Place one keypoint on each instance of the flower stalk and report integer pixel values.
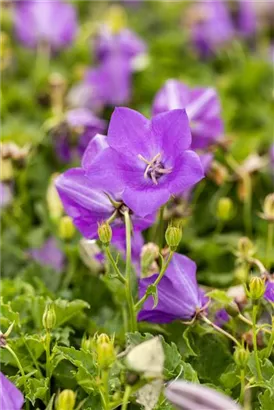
(254, 339)
(220, 330)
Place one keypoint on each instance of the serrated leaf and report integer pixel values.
(66, 310)
(189, 373)
(79, 358)
(266, 400)
(36, 389)
(8, 316)
(229, 378)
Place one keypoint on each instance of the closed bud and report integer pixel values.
(54, 203)
(246, 248)
(268, 208)
(65, 400)
(6, 170)
(224, 209)
(232, 309)
(173, 237)
(149, 254)
(105, 351)
(241, 356)
(241, 274)
(49, 317)
(105, 233)
(66, 228)
(87, 343)
(256, 288)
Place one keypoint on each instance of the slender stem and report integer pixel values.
(219, 329)
(160, 230)
(270, 344)
(47, 349)
(248, 322)
(105, 376)
(258, 263)
(242, 393)
(128, 284)
(254, 338)
(126, 397)
(112, 217)
(32, 356)
(140, 303)
(269, 244)
(17, 361)
(114, 265)
(247, 204)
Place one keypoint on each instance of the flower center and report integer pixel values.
(155, 168)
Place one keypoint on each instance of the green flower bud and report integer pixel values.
(246, 248)
(224, 209)
(241, 273)
(54, 203)
(241, 357)
(149, 253)
(268, 208)
(87, 343)
(105, 233)
(49, 317)
(105, 351)
(65, 400)
(66, 228)
(232, 309)
(173, 237)
(256, 288)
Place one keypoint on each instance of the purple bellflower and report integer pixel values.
(10, 397)
(89, 200)
(49, 254)
(202, 106)
(45, 23)
(6, 194)
(221, 317)
(179, 297)
(150, 159)
(73, 135)
(269, 291)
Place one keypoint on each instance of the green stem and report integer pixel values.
(72, 259)
(220, 330)
(269, 244)
(160, 230)
(128, 284)
(126, 397)
(47, 349)
(32, 356)
(249, 322)
(270, 344)
(254, 338)
(114, 265)
(247, 204)
(105, 376)
(242, 393)
(140, 303)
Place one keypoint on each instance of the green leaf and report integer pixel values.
(189, 373)
(152, 290)
(66, 310)
(229, 378)
(36, 389)
(219, 296)
(266, 400)
(79, 358)
(8, 316)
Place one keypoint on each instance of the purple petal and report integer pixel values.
(269, 291)
(10, 398)
(49, 254)
(94, 148)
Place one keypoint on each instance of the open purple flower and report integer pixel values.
(179, 296)
(45, 23)
(10, 398)
(73, 135)
(49, 254)
(151, 159)
(124, 43)
(90, 198)
(202, 106)
(269, 291)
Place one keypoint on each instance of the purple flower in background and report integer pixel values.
(124, 43)
(6, 194)
(45, 23)
(137, 241)
(179, 296)
(271, 156)
(73, 135)
(151, 159)
(221, 317)
(244, 17)
(202, 106)
(10, 398)
(90, 198)
(269, 291)
(49, 254)
(211, 27)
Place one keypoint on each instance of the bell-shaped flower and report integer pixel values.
(10, 398)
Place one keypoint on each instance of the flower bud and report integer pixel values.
(173, 237)
(105, 233)
(105, 351)
(246, 248)
(149, 253)
(49, 317)
(268, 208)
(66, 228)
(241, 273)
(65, 400)
(256, 288)
(116, 18)
(87, 343)
(232, 309)
(6, 170)
(241, 356)
(54, 203)
(224, 209)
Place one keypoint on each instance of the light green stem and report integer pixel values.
(270, 344)
(105, 376)
(12, 352)
(160, 230)
(269, 244)
(248, 322)
(128, 284)
(114, 265)
(47, 349)
(126, 397)
(220, 330)
(247, 204)
(242, 393)
(140, 303)
(254, 338)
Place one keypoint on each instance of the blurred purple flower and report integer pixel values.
(73, 135)
(244, 17)
(202, 106)
(125, 44)
(150, 159)
(10, 398)
(49, 254)
(221, 317)
(6, 194)
(45, 23)
(90, 197)
(179, 296)
(271, 156)
(269, 291)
